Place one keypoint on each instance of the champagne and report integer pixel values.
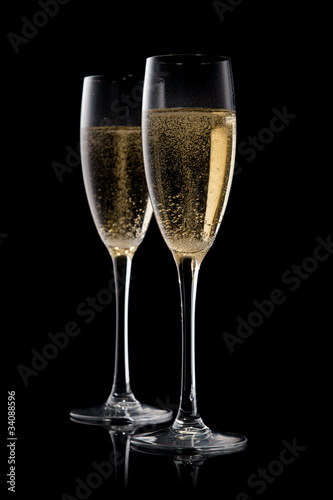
(116, 185)
(189, 157)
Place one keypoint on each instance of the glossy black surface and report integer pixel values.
(264, 298)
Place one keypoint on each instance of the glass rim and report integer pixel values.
(184, 59)
(116, 78)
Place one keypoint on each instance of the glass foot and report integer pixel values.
(171, 442)
(121, 413)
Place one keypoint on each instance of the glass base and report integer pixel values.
(121, 413)
(171, 442)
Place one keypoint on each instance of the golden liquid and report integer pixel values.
(116, 185)
(189, 157)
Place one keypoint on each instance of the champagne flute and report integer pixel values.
(189, 134)
(114, 178)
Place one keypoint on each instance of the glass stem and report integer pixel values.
(121, 390)
(188, 419)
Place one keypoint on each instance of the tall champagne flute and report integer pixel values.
(189, 134)
(114, 178)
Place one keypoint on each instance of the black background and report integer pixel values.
(52, 258)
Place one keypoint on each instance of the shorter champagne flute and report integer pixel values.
(114, 178)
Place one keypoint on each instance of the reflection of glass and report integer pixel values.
(188, 470)
(189, 129)
(187, 466)
(118, 465)
(111, 153)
